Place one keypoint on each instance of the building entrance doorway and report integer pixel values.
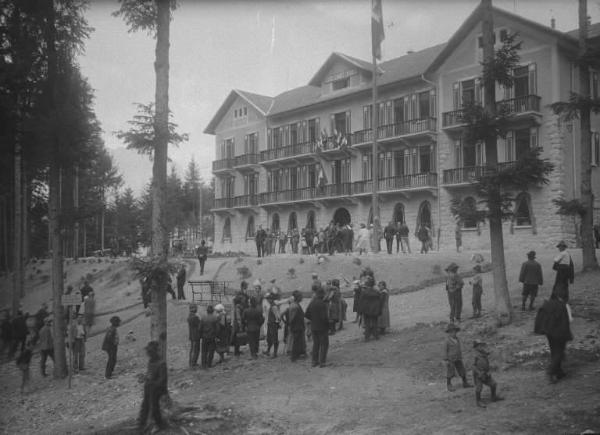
(424, 217)
(341, 216)
(398, 213)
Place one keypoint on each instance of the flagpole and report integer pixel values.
(375, 171)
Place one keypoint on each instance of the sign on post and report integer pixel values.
(71, 299)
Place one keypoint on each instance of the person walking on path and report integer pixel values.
(194, 335)
(181, 282)
(110, 344)
(155, 385)
(370, 307)
(403, 236)
(208, 332)
(317, 314)
(453, 358)
(481, 373)
(454, 285)
(531, 276)
(253, 319)
(383, 321)
(388, 234)
(553, 320)
(202, 254)
(477, 283)
(565, 272)
(46, 345)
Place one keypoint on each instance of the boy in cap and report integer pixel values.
(481, 373)
(531, 276)
(454, 285)
(476, 282)
(155, 385)
(453, 358)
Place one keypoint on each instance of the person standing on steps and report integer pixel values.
(202, 253)
(194, 335)
(181, 282)
(531, 276)
(111, 344)
(565, 272)
(316, 313)
(454, 285)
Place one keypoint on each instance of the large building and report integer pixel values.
(304, 158)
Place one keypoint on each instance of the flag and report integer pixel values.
(377, 33)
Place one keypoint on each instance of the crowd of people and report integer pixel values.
(340, 238)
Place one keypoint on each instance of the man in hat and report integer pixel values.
(273, 325)
(252, 320)
(111, 344)
(453, 358)
(202, 254)
(531, 276)
(454, 285)
(316, 313)
(370, 307)
(194, 335)
(208, 332)
(181, 282)
(296, 326)
(565, 272)
(155, 385)
(481, 373)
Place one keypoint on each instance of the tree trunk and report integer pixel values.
(587, 198)
(76, 208)
(18, 228)
(158, 324)
(502, 297)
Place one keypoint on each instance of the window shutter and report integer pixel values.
(317, 127)
(478, 93)
(304, 132)
(245, 144)
(532, 79)
(255, 145)
(509, 147)
(456, 96)
(388, 112)
(533, 138)
(348, 119)
(269, 139)
(432, 104)
(458, 154)
(413, 107)
(332, 122)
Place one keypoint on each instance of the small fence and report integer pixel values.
(207, 292)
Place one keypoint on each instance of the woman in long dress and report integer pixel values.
(362, 241)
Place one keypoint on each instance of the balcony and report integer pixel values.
(425, 180)
(245, 160)
(223, 203)
(245, 201)
(223, 165)
(415, 127)
(288, 152)
(287, 196)
(363, 187)
(469, 174)
(362, 137)
(335, 148)
(528, 105)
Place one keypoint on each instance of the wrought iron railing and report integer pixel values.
(246, 159)
(245, 201)
(406, 128)
(222, 164)
(223, 202)
(425, 179)
(287, 151)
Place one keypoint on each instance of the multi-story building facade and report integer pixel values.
(304, 158)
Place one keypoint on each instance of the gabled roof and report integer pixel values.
(360, 64)
(261, 103)
(402, 68)
(475, 19)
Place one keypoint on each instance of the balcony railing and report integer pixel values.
(223, 202)
(329, 190)
(245, 201)
(287, 151)
(222, 164)
(363, 186)
(246, 159)
(405, 128)
(425, 179)
(470, 174)
(305, 193)
(513, 106)
(527, 103)
(362, 136)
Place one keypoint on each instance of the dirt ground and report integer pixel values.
(395, 385)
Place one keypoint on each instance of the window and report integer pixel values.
(250, 229)
(367, 117)
(293, 134)
(522, 210)
(595, 87)
(518, 143)
(425, 156)
(227, 230)
(470, 220)
(275, 223)
(468, 155)
(277, 137)
(313, 129)
(399, 163)
(245, 111)
(503, 35)
(227, 152)
(310, 220)
(595, 148)
(367, 166)
(251, 184)
(467, 92)
(424, 110)
(251, 143)
(339, 123)
(399, 110)
(340, 84)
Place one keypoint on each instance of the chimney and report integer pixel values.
(553, 23)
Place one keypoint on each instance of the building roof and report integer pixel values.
(261, 103)
(593, 31)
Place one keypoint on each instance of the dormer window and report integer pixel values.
(340, 84)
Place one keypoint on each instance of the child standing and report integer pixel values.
(476, 282)
(111, 344)
(481, 373)
(453, 358)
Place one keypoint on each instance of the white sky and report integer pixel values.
(265, 47)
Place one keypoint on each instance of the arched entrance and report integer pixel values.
(275, 222)
(310, 220)
(424, 216)
(341, 216)
(293, 221)
(398, 215)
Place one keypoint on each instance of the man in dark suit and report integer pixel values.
(253, 319)
(388, 234)
(531, 276)
(317, 313)
(202, 253)
(260, 238)
(208, 332)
